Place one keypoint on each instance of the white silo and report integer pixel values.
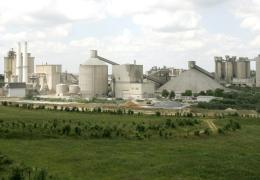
(93, 77)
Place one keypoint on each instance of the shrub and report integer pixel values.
(172, 95)
(197, 133)
(107, 133)
(165, 93)
(66, 129)
(78, 131)
(158, 113)
(207, 131)
(221, 131)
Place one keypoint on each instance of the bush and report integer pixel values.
(66, 129)
(187, 93)
(157, 113)
(197, 133)
(207, 131)
(172, 95)
(165, 93)
(221, 131)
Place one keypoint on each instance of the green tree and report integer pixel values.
(165, 93)
(209, 92)
(187, 93)
(172, 95)
(202, 93)
(219, 92)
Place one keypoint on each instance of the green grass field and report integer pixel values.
(234, 155)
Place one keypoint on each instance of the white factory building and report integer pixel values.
(128, 82)
(49, 75)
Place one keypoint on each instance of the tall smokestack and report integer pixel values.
(19, 63)
(25, 63)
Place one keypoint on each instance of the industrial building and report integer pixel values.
(49, 75)
(93, 77)
(15, 90)
(129, 83)
(233, 71)
(19, 65)
(195, 79)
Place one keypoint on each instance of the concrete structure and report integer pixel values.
(25, 64)
(205, 98)
(10, 66)
(62, 89)
(128, 82)
(74, 89)
(93, 77)
(15, 89)
(233, 71)
(49, 73)
(130, 73)
(195, 79)
(19, 63)
(219, 68)
(18, 66)
(243, 68)
(160, 74)
(258, 71)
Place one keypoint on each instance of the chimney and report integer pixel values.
(25, 63)
(19, 63)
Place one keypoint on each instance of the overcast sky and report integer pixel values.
(152, 32)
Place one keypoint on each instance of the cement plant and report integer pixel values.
(110, 125)
(22, 78)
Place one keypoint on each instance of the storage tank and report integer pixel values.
(74, 89)
(229, 71)
(219, 71)
(241, 68)
(93, 77)
(62, 89)
(127, 73)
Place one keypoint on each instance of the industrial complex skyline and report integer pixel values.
(152, 32)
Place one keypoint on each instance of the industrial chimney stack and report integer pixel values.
(19, 63)
(25, 64)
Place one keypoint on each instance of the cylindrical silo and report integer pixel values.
(219, 68)
(93, 77)
(62, 89)
(229, 71)
(248, 69)
(74, 89)
(243, 68)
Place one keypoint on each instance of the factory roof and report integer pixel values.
(193, 80)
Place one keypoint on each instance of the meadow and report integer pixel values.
(80, 145)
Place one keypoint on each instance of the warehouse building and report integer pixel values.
(195, 79)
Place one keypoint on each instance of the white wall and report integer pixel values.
(134, 90)
(16, 92)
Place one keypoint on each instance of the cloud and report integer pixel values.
(248, 11)
(168, 21)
